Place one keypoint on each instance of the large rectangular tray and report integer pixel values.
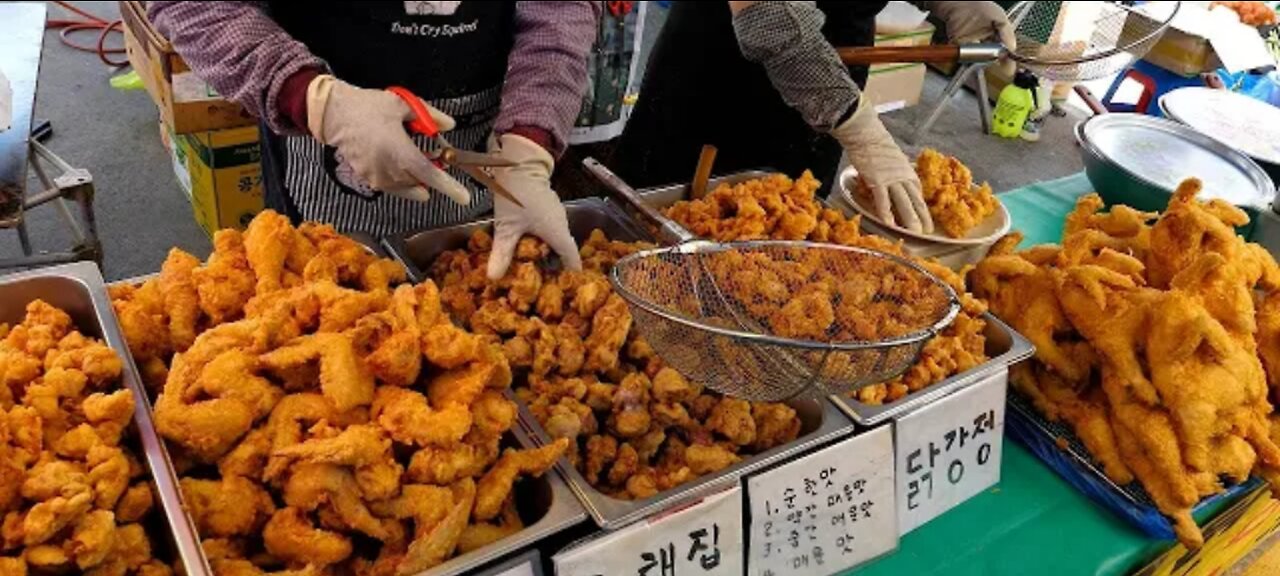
(1005, 347)
(546, 505)
(821, 422)
(1055, 444)
(79, 290)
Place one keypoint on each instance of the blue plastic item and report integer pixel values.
(1073, 464)
(1156, 82)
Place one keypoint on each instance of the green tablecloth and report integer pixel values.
(1032, 522)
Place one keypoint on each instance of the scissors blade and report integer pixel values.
(485, 179)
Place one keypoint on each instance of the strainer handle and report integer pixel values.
(668, 231)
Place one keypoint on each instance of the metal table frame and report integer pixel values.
(21, 43)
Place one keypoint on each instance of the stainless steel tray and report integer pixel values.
(821, 422)
(1005, 347)
(79, 290)
(417, 251)
(546, 504)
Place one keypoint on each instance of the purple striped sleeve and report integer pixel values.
(237, 49)
(547, 70)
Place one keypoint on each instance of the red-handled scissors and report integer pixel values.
(474, 164)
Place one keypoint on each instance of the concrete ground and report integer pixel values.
(142, 212)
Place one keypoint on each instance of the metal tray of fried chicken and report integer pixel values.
(546, 504)
(1004, 346)
(820, 421)
(79, 290)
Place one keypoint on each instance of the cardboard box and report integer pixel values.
(922, 36)
(177, 159)
(1183, 49)
(895, 87)
(187, 104)
(223, 170)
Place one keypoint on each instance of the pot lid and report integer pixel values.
(1248, 125)
(1164, 153)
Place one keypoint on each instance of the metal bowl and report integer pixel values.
(1139, 160)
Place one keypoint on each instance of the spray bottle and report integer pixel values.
(1016, 102)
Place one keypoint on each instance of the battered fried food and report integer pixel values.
(956, 204)
(64, 475)
(1151, 344)
(582, 370)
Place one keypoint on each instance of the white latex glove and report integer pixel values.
(895, 188)
(367, 128)
(542, 216)
(969, 22)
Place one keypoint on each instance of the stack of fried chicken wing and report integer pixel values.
(326, 417)
(1150, 344)
(779, 208)
(71, 494)
(636, 426)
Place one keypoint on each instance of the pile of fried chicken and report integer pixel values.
(325, 417)
(778, 208)
(955, 203)
(1157, 337)
(73, 497)
(636, 427)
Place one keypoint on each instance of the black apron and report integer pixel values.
(699, 89)
(452, 54)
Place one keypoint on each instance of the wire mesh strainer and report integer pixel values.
(766, 320)
(1060, 41)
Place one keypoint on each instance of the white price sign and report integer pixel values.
(527, 564)
(949, 451)
(703, 540)
(826, 512)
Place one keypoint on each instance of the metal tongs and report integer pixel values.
(474, 164)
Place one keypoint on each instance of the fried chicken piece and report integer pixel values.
(775, 424)
(450, 347)
(382, 274)
(92, 540)
(312, 485)
(344, 379)
(551, 301)
(609, 328)
(41, 329)
(570, 350)
(625, 465)
(135, 504)
(232, 506)
(99, 363)
(431, 547)
(226, 281)
(806, 317)
(1110, 310)
(108, 475)
(706, 459)
(523, 283)
(408, 419)
(445, 466)
(956, 205)
(398, 360)
(13, 566)
(493, 413)
(495, 317)
(52, 477)
(461, 387)
(569, 419)
(631, 417)
(142, 320)
(477, 536)
(46, 519)
(268, 241)
(109, 414)
(357, 445)
(341, 308)
(732, 419)
(290, 536)
(601, 453)
(497, 483)
(48, 558)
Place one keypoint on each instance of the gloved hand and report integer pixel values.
(367, 128)
(969, 22)
(895, 188)
(543, 215)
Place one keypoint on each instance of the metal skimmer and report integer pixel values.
(1060, 41)
(767, 320)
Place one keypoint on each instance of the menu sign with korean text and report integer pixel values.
(949, 451)
(701, 540)
(826, 512)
